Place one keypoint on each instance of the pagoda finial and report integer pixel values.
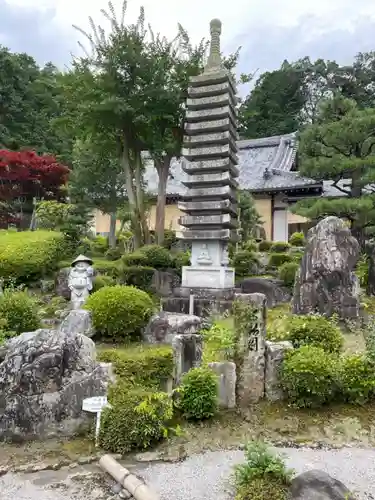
(214, 59)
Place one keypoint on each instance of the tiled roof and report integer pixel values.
(264, 165)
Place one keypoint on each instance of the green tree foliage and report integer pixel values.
(248, 215)
(339, 147)
(274, 105)
(29, 103)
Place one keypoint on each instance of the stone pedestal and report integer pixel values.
(187, 354)
(202, 302)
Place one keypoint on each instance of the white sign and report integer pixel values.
(96, 405)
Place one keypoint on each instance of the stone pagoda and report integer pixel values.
(209, 160)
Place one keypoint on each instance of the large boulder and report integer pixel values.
(318, 485)
(77, 321)
(273, 289)
(326, 283)
(44, 377)
(164, 326)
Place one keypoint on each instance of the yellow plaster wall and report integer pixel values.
(264, 209)
(101, 222)
(296, 219)
(172, 214)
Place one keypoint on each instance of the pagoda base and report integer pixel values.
(208, 277)
(202, 302)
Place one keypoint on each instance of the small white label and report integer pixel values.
(95, 404)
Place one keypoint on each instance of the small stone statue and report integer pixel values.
(225, 257)
(204, 257)
(80, 280)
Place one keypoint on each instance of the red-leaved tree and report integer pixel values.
(24, 175)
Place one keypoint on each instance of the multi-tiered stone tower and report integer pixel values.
(210, 159)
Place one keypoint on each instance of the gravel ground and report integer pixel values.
(206, 477)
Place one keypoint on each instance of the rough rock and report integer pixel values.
(61, 283)
(44, 376)
(187, 354)
(78, 321)
(326, 283)
(163, 282)
(275, 353)
(164, 326)
(226, 374)
(273, 289)
(318, 485)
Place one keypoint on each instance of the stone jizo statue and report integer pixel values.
(80, 280)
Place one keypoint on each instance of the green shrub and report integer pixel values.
(139, 276)
(264, 245)
(244, 262)
(278, 259)
(113, 254)
(356, 377)
(314, 330)
(370, 342)
(157, 256)
(108, 267)
(249, 245)
(170, 238)
(180, 259)
(287, 273)
(362, 271)
(138, 419)
(101, 281)
(297, 240)
(297, 257)
(20, 311)
(280, 247)
(120, 312)
(30, 255)
(135, 259)
(308, 376)
(99, 245)
(263, 475)
(263, 488)
(198, 394)
(140, 365)
(218, 343)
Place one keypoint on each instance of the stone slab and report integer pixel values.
(226, 374)
(215, 179)
(214, 192)
(187, 354)
(207, 234)
(209, 276)
(222, 206)
(210, 90)
(210, 126)
(222, 150)
(225, 221)
(212, 78)
(204, 138)
(197, 115)
(210, 166)
(275, 353)
(211, 102)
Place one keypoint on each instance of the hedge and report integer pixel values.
(140, 365)
(27, 256)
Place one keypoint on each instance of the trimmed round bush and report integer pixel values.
(244, 262)
(135, 259)
(309, 376)
(356, 377)
(113, 254)
(19, 311)
(138, 419)
(101, 281)
(264, 245)
(287, 273)
(139, 276)
(27, 256)
(198, 394)
(250, 246)
(297, 240)
(279, 247)
(316, 331)
(120, 312)
(157, 256)
(278, 259)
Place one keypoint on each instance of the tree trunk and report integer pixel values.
(356, 192)
(139, 196)
(112, 230)
(162, 168)
(125, 159)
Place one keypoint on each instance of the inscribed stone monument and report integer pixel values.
(326, 282)
(210, 159)
(250, 350)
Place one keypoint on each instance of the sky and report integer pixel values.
(268, 31)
